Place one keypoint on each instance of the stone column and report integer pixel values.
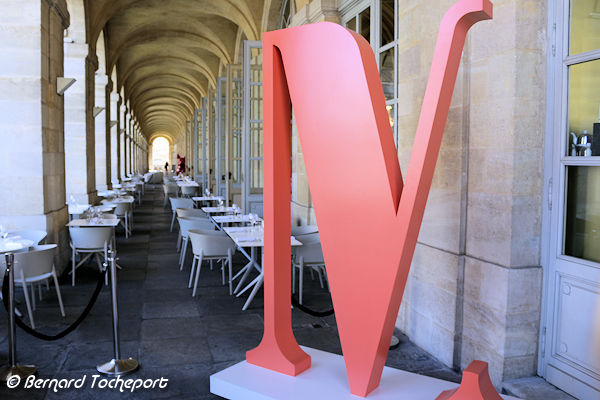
(124, 143)
(110, 107)
(32, 183)
(119, 138)
(101, 132)
(91, 65)
(75, 51)
(114, 137)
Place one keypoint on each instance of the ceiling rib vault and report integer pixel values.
(168, 54)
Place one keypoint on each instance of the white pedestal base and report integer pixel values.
(325, 379)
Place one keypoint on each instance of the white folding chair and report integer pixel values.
(185, 224)
(210, 245)
(139, 191)
(179, 202)
(36, 265)
(94, 241)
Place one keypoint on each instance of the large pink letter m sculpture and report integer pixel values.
(368, 218)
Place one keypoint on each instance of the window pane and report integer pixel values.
(584, 109)
(256, 174)
(256, 102)
(585, 26)
(351, 24)
(386, 70)
(582, 222)
(387, 21)
(256, 140)
(364, 23)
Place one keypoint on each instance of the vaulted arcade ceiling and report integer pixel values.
(168, 53)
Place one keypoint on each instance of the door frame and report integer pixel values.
(557, 81)
(219, 132)
(247, 197)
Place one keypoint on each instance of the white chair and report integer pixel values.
(189, 213)
(210, 245)
(179, 202)
(36, 265)
(94, 241)
(170, 189)
(307, 255)
(139, 191)
(304, 230)
(123, 212)
(36, 236)
(189, 191)
(185, 224)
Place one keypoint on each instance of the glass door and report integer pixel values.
(571, 335)
(220, 151)
(212, 139)
(203, 142)
(252, 161)
(234, 128)
(197, 145)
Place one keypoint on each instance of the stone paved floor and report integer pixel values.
(171, 334)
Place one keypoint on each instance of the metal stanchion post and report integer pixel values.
(116, 366)
(13, 369)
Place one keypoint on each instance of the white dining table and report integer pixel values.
(124, 199)
(253, 238)
(100, 222)
(234, 218)
(14, 243)
(187, 183)
(208, 198)
(218, 210)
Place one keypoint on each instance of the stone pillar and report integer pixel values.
(114, 137)
(101, 132)
(76, 50)
(109, 133)
(317, 11)
(91, 65)
(124, 143)
(32, 185)
(119, 138)
(502, 276)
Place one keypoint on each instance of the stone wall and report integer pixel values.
(32, 185)
(475, 284)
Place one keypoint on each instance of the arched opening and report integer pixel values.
(160, 153)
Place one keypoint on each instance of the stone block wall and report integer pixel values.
(32, 186)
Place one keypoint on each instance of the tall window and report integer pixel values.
(236, 125)
(375, 20)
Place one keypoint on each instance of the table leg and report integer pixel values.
(258, 285)
(249, 265)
